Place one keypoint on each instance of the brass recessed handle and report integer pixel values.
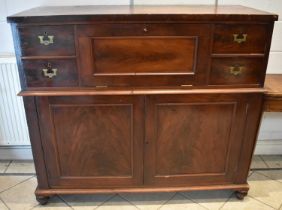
(236, 70)
(49, 71)
(240, 38)
(46, 39)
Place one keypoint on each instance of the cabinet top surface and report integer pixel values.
(140, 13)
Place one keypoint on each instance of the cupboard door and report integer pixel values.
(92, 141)
(194, 140)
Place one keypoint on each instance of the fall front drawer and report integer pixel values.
(143, 54)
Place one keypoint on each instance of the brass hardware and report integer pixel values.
(49, 71)
(239, 38)
(145, 29)
(46, 39)
(236, 70)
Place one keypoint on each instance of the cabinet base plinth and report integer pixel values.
(46, 193)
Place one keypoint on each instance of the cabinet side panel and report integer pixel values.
(35, 139)
(254, 112)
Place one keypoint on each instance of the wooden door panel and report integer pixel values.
(93, 141)
(186, 133)
(159, 55)
(143, 54)
(189, 138)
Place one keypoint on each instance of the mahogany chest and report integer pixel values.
(142, 98)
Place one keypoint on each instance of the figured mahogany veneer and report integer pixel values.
(142, 99)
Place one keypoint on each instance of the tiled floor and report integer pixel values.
(17, 184)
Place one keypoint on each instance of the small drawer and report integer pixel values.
(237, 71)
(50, 73)
(47, 40)
(240, 38)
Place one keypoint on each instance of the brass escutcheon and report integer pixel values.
(240, 38)
(46, 39)
(49, 71)
(236, 70)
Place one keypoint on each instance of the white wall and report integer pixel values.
(271, 129)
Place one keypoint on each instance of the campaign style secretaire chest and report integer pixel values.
(142, 99)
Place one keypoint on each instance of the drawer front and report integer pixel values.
(238, 38)
(142, 54)
(237, 71)
(50, 73)
(47, 40)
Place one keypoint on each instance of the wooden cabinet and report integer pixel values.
(142, 99)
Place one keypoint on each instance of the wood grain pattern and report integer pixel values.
(252, 71)
(135, 91)
(63, 40)
(160, 55)
(104, 139)
(126, 55)
(64, 14)
(44, 192)
(185, 134)
(67, 75)
(255, 42)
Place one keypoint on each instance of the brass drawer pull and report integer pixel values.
(239, 38)
(46, 39)
(236, 70)
(49, 71)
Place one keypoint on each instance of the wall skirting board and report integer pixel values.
(15, 152)
(269, 147)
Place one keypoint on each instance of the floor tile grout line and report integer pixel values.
(102, 203)
(268, 177)
(227, 200)
(16, 185)
(60, 198)
(17, 174)
(168, 200)
(128, 201)
(280, 207)
(266, 169)
(7, 166)
(189, 198)
(4, 203)
(261, 202)
(265, 162)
